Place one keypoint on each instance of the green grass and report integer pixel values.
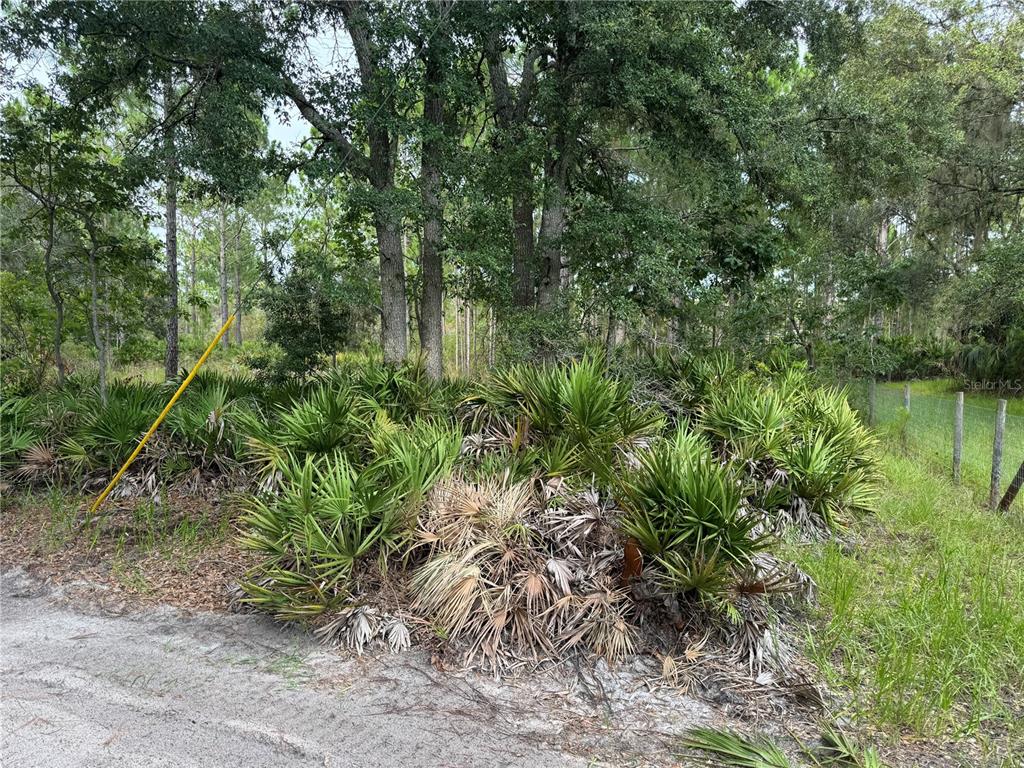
(947, 388)
(922, 618)
(927, 433)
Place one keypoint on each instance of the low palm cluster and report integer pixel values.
(683, 507)
(836, 750)
(326, 519)
(544, 511)
(567, 420)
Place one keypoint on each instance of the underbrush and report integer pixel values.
(542, 511)
(922, 616)
(177, 549)
(548, 512)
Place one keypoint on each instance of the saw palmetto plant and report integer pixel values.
(584, 419)
(311, 536)
(206, 424)
(683, 507)
(751, 419)
(733, 749)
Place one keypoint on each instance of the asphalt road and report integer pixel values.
(160, 688)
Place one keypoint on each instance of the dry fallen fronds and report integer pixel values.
(515, 578)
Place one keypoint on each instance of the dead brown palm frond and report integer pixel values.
(359, 626)
(39, 462)
(767, 575)
(498, 579)
(354, 627)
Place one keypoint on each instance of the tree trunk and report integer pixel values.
(377, 167)
(55, 296)
(430, 309)
(458, 341)
(101, 349)
(882, 249)
(394, 335)
(522, 246)
(467, 345)
(194, 322)
(171, 224)
(511, 112)
(552, 224)
(226, 338)
(491, 328)
(238, 299)
(611, 339)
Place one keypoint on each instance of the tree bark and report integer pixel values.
(511, 112)
(238, 299)
(171, 224)
(430, 310)
(101, 349)
(55, 295)
(553, 221)
(522, 246)
(611, 339)
(194, 321)
(394, 330)
(467, 347)
(223, 270)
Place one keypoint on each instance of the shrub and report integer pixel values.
(576, 412)
(17, 431)
(104, 436)
(322, 423)
(684, 510)
(325, 520)
(205, 423)
(751, 419)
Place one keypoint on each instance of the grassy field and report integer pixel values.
(920, 619)
(926, 432)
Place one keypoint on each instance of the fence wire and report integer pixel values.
(927, 432)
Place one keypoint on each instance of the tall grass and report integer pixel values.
(922, 618)
(927, 432)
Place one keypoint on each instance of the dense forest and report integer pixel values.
(489, 182)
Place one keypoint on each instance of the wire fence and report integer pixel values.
(927, 429)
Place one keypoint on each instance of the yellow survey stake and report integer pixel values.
(163, 415)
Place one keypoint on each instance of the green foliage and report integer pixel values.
(736, 750)
(733, 749)
(206, 423)
(25, 334)
(314, 311)
(922, 619)
(106, 435)
(583, 418)
(326, 518)
(535, 337)
(751, 419)
(684, 509)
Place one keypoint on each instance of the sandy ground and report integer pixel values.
(160, 687)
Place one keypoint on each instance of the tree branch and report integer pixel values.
(354, 160)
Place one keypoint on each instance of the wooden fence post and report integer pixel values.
(997, 455)
(871, 402)
(958, 436)
(1011, 492)
(906, 397)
